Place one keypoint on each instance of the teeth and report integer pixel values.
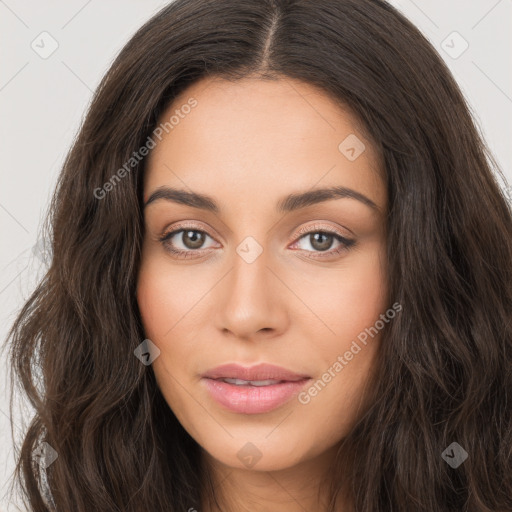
(240, 382)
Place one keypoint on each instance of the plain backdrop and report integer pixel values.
(43, 99)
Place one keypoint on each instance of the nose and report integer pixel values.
(251, 301)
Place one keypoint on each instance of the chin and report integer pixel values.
(257, 453)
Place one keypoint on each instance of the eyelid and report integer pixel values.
(319, 227)
(192, 225)
(304, 230)
(316, 227)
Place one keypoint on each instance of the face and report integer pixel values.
(254, 274)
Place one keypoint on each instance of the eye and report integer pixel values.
(319, 239)
(189, 241)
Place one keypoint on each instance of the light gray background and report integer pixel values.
(43, 101)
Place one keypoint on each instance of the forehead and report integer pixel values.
(259, 137)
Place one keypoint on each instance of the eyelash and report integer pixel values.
(346, 243)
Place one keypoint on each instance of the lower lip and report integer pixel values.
(252, 399)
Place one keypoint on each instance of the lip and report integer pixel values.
(262, 371)
(253, 399)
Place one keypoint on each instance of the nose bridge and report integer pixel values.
(249, 299)
(250, 275)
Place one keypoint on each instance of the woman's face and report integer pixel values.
(263, 277)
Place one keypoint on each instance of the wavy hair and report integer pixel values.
(444, 371)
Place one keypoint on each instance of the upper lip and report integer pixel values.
(262, 371)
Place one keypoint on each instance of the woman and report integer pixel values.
(281, 277)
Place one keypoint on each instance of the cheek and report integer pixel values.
(347, 301)
(164, 316)
(352, 310)
(362, 296)
(154, 301)
(172, 306)
(167, 297)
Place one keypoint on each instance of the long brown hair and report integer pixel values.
(444, 371)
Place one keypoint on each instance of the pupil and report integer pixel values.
(193, 239)
(321, 246)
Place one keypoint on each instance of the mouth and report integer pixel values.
(258, 373)
(253, 390)
(257, 383)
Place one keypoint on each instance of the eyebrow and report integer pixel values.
(286, 204)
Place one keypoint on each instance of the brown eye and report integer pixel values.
(321, 241)
(185, 242)
(189, 243)
(192, 239)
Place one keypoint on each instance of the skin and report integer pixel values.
(247, 144)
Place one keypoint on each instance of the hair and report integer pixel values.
(444, 371)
